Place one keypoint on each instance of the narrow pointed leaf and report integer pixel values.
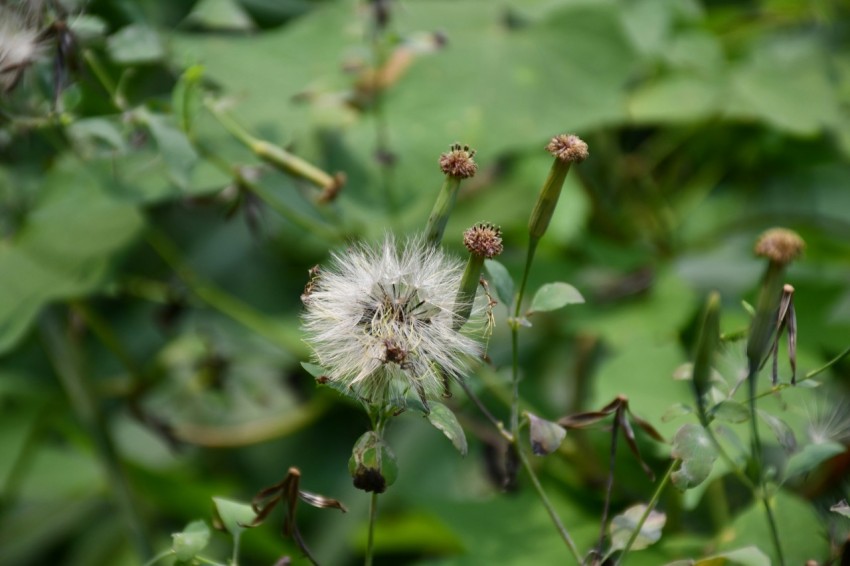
(629, 433)
(501, 279)
(709, 338)
(810, 457)
(444, 420)
(731, 412)
(783, 433)
(545, 436)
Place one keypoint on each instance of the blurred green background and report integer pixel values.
(151, 266)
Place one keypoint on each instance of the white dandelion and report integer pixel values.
(381, 321)
(19, 44)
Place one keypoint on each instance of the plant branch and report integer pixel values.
(652, 502)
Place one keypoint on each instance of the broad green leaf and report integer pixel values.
(677, 98)
(545, 436)
(623, 525)
(135, 44)
(65, 246)
(810, 457)
(692, 446)
(501, 280)
(443, 419)
(233, 516)
(553, 296)
(731, 412)
(190, 541)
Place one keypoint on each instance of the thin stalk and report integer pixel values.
(532, 246)
(811, 374)
(223, 302)
(652, 502)
(548, 505)
(485, 411)
(370, 541)
(234, 560)
(158, 557)
(761, 493)
(609, 488)
(104, 79)
(64, 358)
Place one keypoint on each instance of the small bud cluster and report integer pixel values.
(458, 162)
(780, 245)
(568, 148)
(484, 239)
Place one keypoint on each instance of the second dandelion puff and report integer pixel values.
(382, 322)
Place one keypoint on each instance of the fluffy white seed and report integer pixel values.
(380, 321)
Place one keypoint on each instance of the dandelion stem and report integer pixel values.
(562, 530)
(370, 541)
(652, 502)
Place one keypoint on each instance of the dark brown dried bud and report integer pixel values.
(484, 239)
(780, 245)
(568, 147)
(458, 162)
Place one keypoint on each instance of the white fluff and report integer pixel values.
(381, 321)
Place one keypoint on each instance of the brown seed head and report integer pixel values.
(484, 239)
(780, 245)
(568, 147)
(458, 162)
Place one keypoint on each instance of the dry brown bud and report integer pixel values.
(458, 162)
(483, 240)
(780, 245)
(568, 147)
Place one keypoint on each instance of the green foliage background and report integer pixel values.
(123, 262)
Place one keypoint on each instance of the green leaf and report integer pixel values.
(781, 431)
(443, 419)
(731, 412)
(810, 457)
(174, 146)
(692, 445)
(134, 44)
(501, 279)
(220, 15)
(186, 97)
(65, 247)
(748, 556)
(623, 525)
(233, 516)
(191, 541)
(553, 296)
(545, 436)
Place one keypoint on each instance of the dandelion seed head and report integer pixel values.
(828, 419)
(19, 45)
(380, 321)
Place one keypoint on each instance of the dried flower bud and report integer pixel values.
(568, 147)
(780, 245)
(484, 239)
(458, 162)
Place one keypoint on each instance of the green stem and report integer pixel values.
(158, 557)
(442, 209)
(370, 541)
(562, 530)
(223, 302)
(761, 492)
(272, 154)
(65, 359)
(652, 502)
(813, 373)
(234, 559)
(104, 79)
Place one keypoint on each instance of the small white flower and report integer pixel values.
(381, 320)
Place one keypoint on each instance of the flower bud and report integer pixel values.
(372, 464)
(566, 149)
(457, 165)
